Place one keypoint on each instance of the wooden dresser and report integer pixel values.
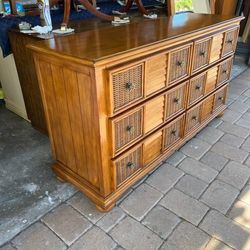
(119, 100)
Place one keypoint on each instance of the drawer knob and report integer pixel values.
(173, 132)
(220, 98)
(180, 63)
(202, 53)
(225, 71)
(194, 118)
(130, 128)
(198, 87)
(176, 100)
(230, 41)
(129, 86)
(130, 165)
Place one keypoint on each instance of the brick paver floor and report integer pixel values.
(199, 198)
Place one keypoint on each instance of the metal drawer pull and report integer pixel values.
(230, 41)
(180, 63)
(198, 87)
(225, 71)
(220, 98)
(194, 118)
(130, 165)
(129, 86)
(130, 129)
(173, 132)
(202, 53)
(176, 100)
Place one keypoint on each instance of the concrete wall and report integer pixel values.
(11, 86)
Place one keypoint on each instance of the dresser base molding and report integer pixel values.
(106, 204)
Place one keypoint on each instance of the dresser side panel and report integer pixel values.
(69, 97)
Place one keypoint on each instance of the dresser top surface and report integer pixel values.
(98, 44)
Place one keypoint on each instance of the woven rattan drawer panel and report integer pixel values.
(220, 98)
(127, 129)
(193, 118)
(127, 86)
(128, 165)
(179, 62)
(196, 88)
(175, 100)
(173, 132)
(201, 54)
(224, 71)
(230, 41)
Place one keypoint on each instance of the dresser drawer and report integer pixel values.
(230, 41)
(173, 132)
(179, 63)
(196, 88)
(127, 129)
(201, 54)
(220, 98)
(193, 118)
(224, 71)
(175, 100)
(127, 165)
(126, 86)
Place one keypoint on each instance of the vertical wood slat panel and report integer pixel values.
(155, 73)
(207, 108)
(153, 113)
(61, 99)
(152, 148)
(52, 111)
(211, 81)
(90, 119)
(216, 48)
(74, 113)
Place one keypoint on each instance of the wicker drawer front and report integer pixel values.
(175, 100)
(230, 41)
(128, 165)
(224, 71)
(127, 129)
(220, 98)
(173, 132)
(201, 54)
(196, 88)
(179, 64)
(193, 118)
(127, 86)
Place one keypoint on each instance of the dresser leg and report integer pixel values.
(105, 210)
(220, 114)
